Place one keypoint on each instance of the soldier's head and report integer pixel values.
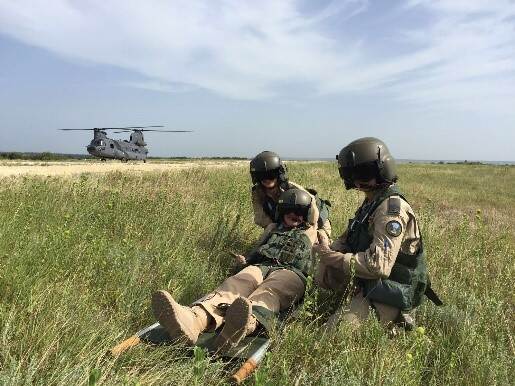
(366, 164)
(293, 207)
(268, 170)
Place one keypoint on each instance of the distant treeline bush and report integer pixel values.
(473, 163)
(48, 156)
(200, 158)
(44, 156)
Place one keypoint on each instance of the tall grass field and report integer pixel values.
(80, 257)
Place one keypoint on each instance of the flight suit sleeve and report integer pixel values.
(340, 244)
(329, 273)
(388, 227)
(260, 217)
(312, 234)
(313, 213)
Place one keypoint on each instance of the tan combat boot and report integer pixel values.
(239, 322)
(180, 322)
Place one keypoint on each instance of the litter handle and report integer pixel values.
(244, 372)
(125, 345)
(251, 364)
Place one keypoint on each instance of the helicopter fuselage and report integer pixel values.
(106, 148)
(134, 149)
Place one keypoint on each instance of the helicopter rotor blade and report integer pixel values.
(127, 127)
(171, 131)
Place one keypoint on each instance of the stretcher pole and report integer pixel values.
(250, 364)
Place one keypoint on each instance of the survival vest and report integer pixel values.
(269, 207)
(290, 248)
(408, 280)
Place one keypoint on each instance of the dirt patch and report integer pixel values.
(71, 168)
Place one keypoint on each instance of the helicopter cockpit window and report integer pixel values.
(111, 146)
(100, 143)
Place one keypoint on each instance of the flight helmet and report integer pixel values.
(268, 165)
(364, 159)
(294, 200)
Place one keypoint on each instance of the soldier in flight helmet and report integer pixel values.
(267, 166)
(365, 159)
(380, 257)
(273, 280)
(270, 178)
(294, 202)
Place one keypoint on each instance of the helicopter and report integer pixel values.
(134, 149)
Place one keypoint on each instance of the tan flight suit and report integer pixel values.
(265, 221)
(334, 268)
(276, 292)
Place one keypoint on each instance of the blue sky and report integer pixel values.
(433, 79)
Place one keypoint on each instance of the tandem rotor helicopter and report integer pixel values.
(134, 149)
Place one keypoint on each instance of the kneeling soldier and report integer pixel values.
(381, 252)
(273, 280)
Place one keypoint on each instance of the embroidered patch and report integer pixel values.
(394, 205)
(393, 228)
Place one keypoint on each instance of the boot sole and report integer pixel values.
(165, 310)
(237, 318)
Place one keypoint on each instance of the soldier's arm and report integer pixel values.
(313, 213)
(253, 257)
(333, 254)
(388, 231)
(312, 234)
(340, 244)
(260, 217)
(377, 261)
(389, 225)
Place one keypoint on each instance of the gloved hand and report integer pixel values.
(323, 239)
(239, 259)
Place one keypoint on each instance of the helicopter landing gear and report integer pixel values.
(125, 160)
(103, 159)
(144, 161)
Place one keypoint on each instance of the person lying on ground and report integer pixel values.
(273, 281)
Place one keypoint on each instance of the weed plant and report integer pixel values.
(80, 257)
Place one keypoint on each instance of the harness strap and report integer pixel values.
(431, 295)
(264, 316)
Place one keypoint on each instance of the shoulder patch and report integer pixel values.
(394, 205)
(393, 228)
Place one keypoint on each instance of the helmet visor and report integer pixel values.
(268, 175)
(298, 210)
(361, 172)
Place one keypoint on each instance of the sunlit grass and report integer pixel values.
(79, 258)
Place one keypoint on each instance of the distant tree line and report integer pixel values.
(44, 156)
(48, 156)
(201, 158)
(465, 162)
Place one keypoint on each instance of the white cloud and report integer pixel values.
(463, 51)
(236, 48)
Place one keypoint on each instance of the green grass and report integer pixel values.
(80, 257)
